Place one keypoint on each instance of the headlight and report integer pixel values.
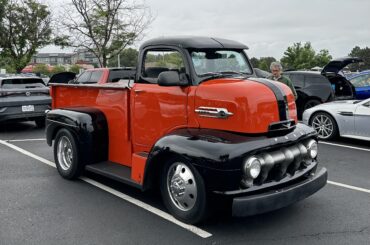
(252, 167)
(312, 148)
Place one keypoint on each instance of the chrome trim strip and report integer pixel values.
(213, 112)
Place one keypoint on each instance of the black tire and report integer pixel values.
(325, 132)
(40, 122)
(310, 103)
(196, 211)
(66, 155)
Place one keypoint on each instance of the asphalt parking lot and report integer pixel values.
(37, 206)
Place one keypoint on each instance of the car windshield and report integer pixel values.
(22, 83)
(220, 63)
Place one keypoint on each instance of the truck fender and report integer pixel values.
(88, 125)
(199, 150)
(217, 155)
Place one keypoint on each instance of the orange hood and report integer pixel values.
(245, 106)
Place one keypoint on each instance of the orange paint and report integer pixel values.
(138, 168)
(253, 105)
(112, 102)
(140, 116)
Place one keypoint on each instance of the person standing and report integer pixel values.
(276, 70)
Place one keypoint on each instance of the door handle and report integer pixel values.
(137, 91)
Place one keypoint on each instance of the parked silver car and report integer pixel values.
(24, 98)
(347, 118)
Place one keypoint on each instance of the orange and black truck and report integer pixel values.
(194, 123)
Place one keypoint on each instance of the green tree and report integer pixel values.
(104, 27)
(265, 62)
(299, 57)
(363, 53)
(322, 58)
(303, 56)
(42, 69)
(255, 62)
(3, 4)
(128, 58)
(58, 69)
(24, 28)
(75, 68)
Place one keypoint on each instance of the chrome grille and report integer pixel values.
(277, 164)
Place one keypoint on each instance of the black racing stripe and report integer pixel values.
(279, 94)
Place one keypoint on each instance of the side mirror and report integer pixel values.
(171, 78)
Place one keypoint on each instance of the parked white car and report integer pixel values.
(347, 118)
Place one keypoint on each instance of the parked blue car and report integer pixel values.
(361, 82)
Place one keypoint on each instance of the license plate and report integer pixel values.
(27, 108)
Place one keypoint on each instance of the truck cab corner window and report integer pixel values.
(158, 61)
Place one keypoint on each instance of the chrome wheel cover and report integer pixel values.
(64, 153)
(323, 126)
(181, 186)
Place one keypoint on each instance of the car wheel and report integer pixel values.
(310, 103)
(40, 122)
(325, 125)
(183, 191)
(66, 155)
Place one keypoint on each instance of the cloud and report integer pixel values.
(268, 27)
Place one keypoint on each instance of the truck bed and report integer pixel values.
(113, 100)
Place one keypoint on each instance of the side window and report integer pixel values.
(316, 80)
(297, 80)
(157, 61)
(116, 75)
(95, 76)
(84, 77)
(361, 81)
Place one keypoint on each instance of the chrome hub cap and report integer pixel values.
(323, 126)
(181, 186)
(64, 153)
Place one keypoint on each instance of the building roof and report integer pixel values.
(194, 42)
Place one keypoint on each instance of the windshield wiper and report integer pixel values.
(212, 75)
(234, 72)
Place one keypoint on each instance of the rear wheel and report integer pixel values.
(325, 125)
(66, 155)
(183, 191)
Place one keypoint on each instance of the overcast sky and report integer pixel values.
(268, 27)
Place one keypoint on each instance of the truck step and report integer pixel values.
(115, 171)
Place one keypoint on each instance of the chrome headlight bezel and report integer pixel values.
(252, 167)
(312, 148)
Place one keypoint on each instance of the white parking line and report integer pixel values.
(346, 146)
(24, 140)
(349, 186)
(14, 147)
(160, 213)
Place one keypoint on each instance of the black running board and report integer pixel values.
(115, 171)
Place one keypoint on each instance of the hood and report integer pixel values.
(246, 106)
(337, 65)
(62, 77)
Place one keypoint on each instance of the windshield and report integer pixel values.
(22, 83)
(210, 62)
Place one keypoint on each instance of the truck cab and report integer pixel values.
(194, 123)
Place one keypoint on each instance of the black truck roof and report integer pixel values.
(194, 42)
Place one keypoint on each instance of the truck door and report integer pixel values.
(156, 109)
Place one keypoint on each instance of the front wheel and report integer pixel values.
(183, 191)
(66, 155)
(325, 125)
